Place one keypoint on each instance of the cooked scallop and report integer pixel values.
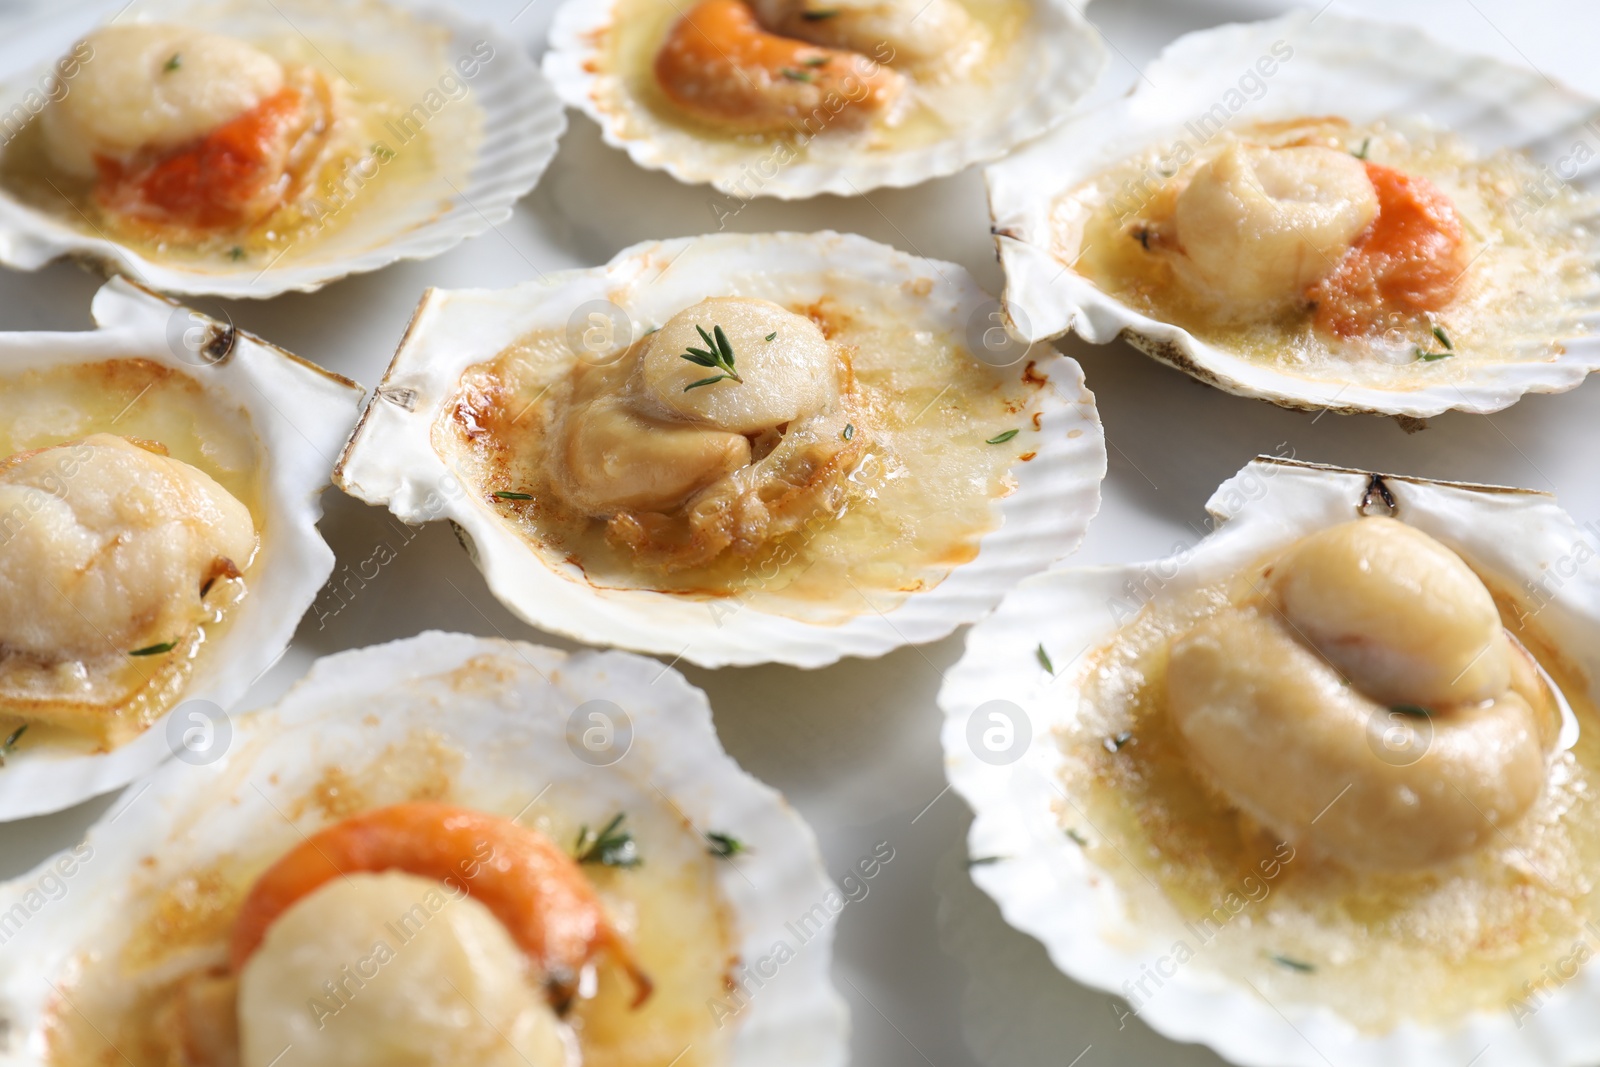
(116, 555)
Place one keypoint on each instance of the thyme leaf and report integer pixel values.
(9, 745)
(1044, 658)
(1293, 964)
(1002, 438)
(503, 495)
(1362, 153)
(723, 846)
(611, 847)
(155, 650)
(173, 64)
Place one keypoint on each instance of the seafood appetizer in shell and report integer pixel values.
(440, 851)
(1352, 224)
(160, 480)
(253, 148)
(792, 98)
(737, 449)
(1323, 782)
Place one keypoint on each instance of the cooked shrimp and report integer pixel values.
(1410, 260)
(721, 67)
(521, 876)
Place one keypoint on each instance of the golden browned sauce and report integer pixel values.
(919, 501)
(134, 398)
(1522, 294)
(1482, 933)
(670, 906)
(370, 160)
(638, 28)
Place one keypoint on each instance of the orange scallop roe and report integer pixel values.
(520, 875)
(230, 178)
(720, 66)
(1410, 260)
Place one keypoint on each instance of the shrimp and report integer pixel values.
(1410, 260)
(719, 66)
(521, 876)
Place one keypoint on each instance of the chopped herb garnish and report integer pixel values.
(155, 650)
(174, 63)
(818, 16)
(817, 61)
(236, 253)
(723, 845)
(1444, 338)
(9, 745)
(717, 355)
(771, 335)
(1429, 357)
(1082, 842)
(1362, 154)
(611, 847)
(795, 75)
(1412, 709)
(1002, 438)
(849, 431)
(501, 495)
(983, 861)
(1044, 659)
(1293, 964)
(1114, 744)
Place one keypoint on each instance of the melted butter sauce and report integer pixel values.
(120, 696)
(919, 502)
(639, 26)
(670, 906)
(362, 166)
(1528, 286)
(1379, 949)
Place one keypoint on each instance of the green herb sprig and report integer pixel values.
(1002, 438)
(9, 745)
(716, 355)
(173, 64)
(611, 847)
(1362, 153)
(503, 495)
(724, 845)
(1293, 964)
(155, 650)
(1044, 659)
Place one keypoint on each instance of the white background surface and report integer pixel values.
(933, 975)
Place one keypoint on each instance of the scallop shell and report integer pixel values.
(1063, 58)
(1359, 70)
(301, 415)
(1047, 888)
(491, 146)
(508, 708)
(392, 459)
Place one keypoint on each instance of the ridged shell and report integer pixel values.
(392, 459)
(1358, 70)
(506, 708)
(497, 140)
(301, 415)
(1061, 60)
(1047, 887)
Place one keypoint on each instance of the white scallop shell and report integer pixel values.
(1061, 59)
(505, 705)
(301, 415)
(1359, 70)
(392, 460)
(495, 140)
(1048, 889)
